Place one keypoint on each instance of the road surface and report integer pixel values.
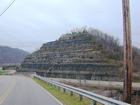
(16, 90)
(102, 83)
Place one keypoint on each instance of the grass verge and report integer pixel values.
(2, 72)
(65, 98)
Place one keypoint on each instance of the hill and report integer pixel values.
(89, 53)
(11, 55)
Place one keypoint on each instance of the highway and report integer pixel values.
(96, 82)
(18, 90)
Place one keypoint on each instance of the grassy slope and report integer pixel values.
(2, 72)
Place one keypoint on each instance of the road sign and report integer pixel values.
(60, 75)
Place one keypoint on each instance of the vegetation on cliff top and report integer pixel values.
(109, 44)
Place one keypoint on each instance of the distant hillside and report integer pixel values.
(11, 55)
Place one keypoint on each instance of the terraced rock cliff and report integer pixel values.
(70, 56)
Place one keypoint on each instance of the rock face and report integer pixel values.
(70, 57)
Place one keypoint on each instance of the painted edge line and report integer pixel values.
(48, 93)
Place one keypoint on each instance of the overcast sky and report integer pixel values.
(27, 24)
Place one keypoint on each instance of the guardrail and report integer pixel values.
(93, 96)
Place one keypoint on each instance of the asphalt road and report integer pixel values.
(101, 83)
(16, 90)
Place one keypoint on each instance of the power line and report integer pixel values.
(7, 7)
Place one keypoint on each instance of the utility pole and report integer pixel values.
(127, 52)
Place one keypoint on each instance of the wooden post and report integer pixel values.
(127, 52)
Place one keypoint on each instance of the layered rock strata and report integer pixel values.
(70, 57)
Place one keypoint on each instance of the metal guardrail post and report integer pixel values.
(94, 103)
(71, 93)
(58, 88)
(54, 86)
(80, 97)
(64, 90)
(47, 82)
